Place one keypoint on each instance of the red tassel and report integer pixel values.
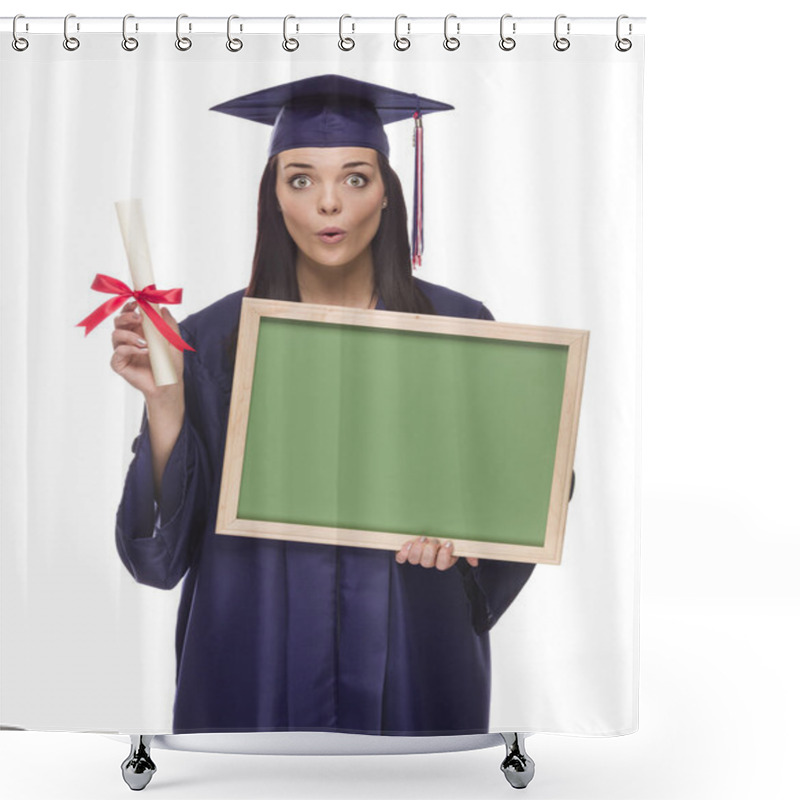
(417, 240)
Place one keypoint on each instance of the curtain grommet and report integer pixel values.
(19, 43)
(451, 43)
(71, 43)
(623, 44)
(233, 44)
(401, 43)
(289, 43)
(346, 43)
(129, 43)
(507, 42)
(183, 43)
(561, 43)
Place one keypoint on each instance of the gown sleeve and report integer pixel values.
(156, 540)
(491, 587)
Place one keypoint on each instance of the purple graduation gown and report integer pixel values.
(276, 635)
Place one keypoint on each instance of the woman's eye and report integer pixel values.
(299, 182)
(356, 180)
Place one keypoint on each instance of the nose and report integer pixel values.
(329, 200)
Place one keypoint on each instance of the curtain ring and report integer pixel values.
(345, 42)
(183, 43)
(451, 42)
(289, 44)
(561, 43)
(70, 42)
(401, 42)
(623, 45)
(129, 43)
(506, 42)
(234, 45)
(18, 42)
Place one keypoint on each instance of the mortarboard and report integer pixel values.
(336, 111)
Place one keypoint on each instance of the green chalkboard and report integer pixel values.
(383, 433)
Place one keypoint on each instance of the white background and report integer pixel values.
(719, 696)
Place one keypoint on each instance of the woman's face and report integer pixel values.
(331, 199)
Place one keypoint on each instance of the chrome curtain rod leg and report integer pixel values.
(138, 768)
(517, 766)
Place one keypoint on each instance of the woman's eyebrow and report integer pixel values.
(348, 165)
(311, 167)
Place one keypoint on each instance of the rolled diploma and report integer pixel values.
(134, 236)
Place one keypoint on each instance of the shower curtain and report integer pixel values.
(532, 206)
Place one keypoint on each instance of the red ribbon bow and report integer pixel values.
(148, 295)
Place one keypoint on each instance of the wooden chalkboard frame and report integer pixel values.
(576, 342)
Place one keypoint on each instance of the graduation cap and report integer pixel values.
(336, 111)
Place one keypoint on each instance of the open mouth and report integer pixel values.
(331, 235)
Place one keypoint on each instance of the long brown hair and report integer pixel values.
(274, 274)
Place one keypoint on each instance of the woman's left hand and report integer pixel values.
(429, 553)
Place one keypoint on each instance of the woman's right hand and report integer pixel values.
(165, 404)
(131, 358)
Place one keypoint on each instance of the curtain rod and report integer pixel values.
(462, 26)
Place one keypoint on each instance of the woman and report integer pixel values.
(283, 635)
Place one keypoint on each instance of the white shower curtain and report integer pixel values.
(532, 206)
